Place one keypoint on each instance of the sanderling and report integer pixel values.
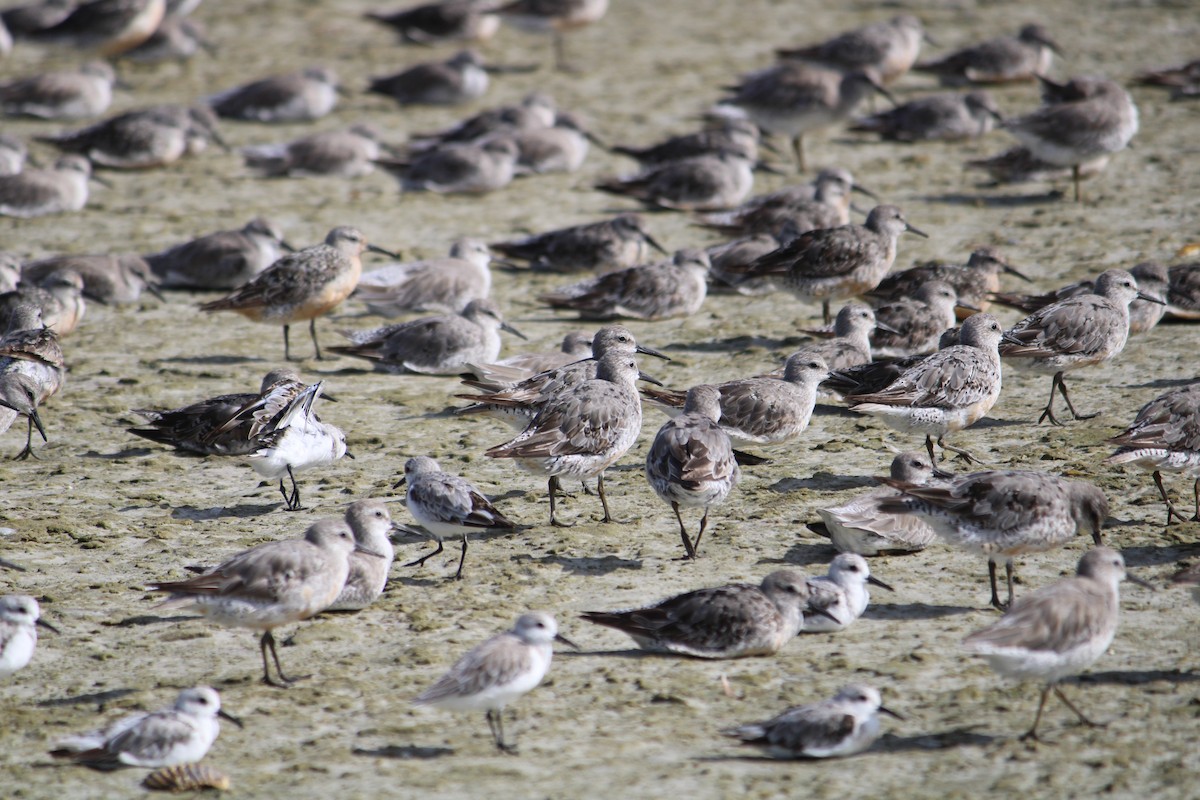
(20, 617)
(888, 48)
(827, 207)
(837, 263)
(442, 345)
(762, 411)
(116, 278)
(851, 342)
(295, 97)
(974, 282)
(583, 430)
(436, 284)
(497, 672)
(700, 183)
(371, 523)
(837, 599)
(459, 79)
(561, 147)
(730, 260)
(552, 16)
(691, 461)
(181, 734)
(732, 621)
(611, 244)
(448, 20)
(146, 137)
(674, 288)
(1152, 278)
(1019, 165)
(842, 726)
(1096, 118)
(59, 296)
(912, 326)
(508, 372)
(458, 168)
(949, 390)
(1006, 58)
(536, 110)
(1165, 435)
(724, 132)
(204, 426)
(793, 98)
(31, 372)
(273, 584)
(303, 285)
(860, 526)
(447, 505)
(348, 153)
(937, 117)
(38, 192)
(220, 260)
(78, 94)
(1058, 630)
(1077, 332)
(1183, 291)
(1004, 514)
(111, 27)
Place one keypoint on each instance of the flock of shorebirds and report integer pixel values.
(924, 358)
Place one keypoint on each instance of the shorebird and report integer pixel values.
(31, 372)
(732, 621)
(295, 97)
(175, 39)
(1058, 630)
(691, 462)
(58, 295)
(949, 390)
(1073, 333)
(536, 110)
(437, 284)
(498, 672)
(888, 48)
(1183, 291)
(861, 527)
(180, 734)
(974, 282)
(837, 599)
(583, 430)
(508, 372)
(111, 27)
(142, 138)
(721, 133)
(793, 98)
(449, 20)
(459, 79)
(938, 117)
(442, 345)
(20, 617)
(837, 263)
(221, 260)
(1152, 279)
(1019, 165)
(913, 326)
(611, 244)
(1001, 60)
(38, 192)
(700, 183)
(27, 19)
(204, 426)
(371, 523)
(561, 147)
(763, 411)
(823, 204)
(851, 342)
(1004, 514)
(552, 16)
(1165, 435)
(674, 288)
(303, 285)
(270, 585)
(116, 278)
(1095, 118)
(78, 94)
(458, 168)
(447, 505)
(349, 153)
(845, 725)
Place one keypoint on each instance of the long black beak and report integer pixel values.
(154, 290)
(105, 182)
(504, 326)
(644, 377)
(223, 714)
(966, 305)
(649, 351)
(377, 249)
(1011, 270)
(653, 243)
(558, 637)
(917, 231)
(403, 480)
(41, 623)
(358, 548)
(823, 613)
(854, 187)
(1140, 582)
(286, 247)
(883, 326)
(37, 423)
(873, 580)
(891, 97)
(889, 712)
(1149, 298)
(350, 456)
(763, 166)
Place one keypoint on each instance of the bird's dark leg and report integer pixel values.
(268, 643)
(964, 455)
(27, 451)
(1008, 573)
(688, 549)
(287, 353)
(798, 149)
(293, 500)
(929, 447)
(1162, 490)
(1062, 385)
(461, 559)
(1032, 732)
(603, 498)
(992, 580)
(312, 330)
(700, 533)
(1059, 693)
(553, 489)
(1075, 178)
(420, 561)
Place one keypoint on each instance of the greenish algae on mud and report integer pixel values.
(100, 513)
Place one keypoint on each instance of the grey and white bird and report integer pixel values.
(441, 345)
(913, 326)
(888, 48)
(1004, 59)
(371, 523)
(347, 153)
(447, 505)
(436, 284)
(1058, 630)
(458, 168)
(220, 260)
(38, 192)
(1152, 278)
(448, 20)
(508, 372)
(974, 282)
(114, 278)
(701, 183)
(58, 295)
(555, 17)
(20, 617)
(691, 462)
(32, 371)
(76, 94)
(300, 96)
(839, 598)
(142, 138)
(498, 672)
(180, 734)
(945, 117)
(604, 246)
(668, 289)
(459, 79)
(842, 726)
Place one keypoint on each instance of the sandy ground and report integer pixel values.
(99, 513)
